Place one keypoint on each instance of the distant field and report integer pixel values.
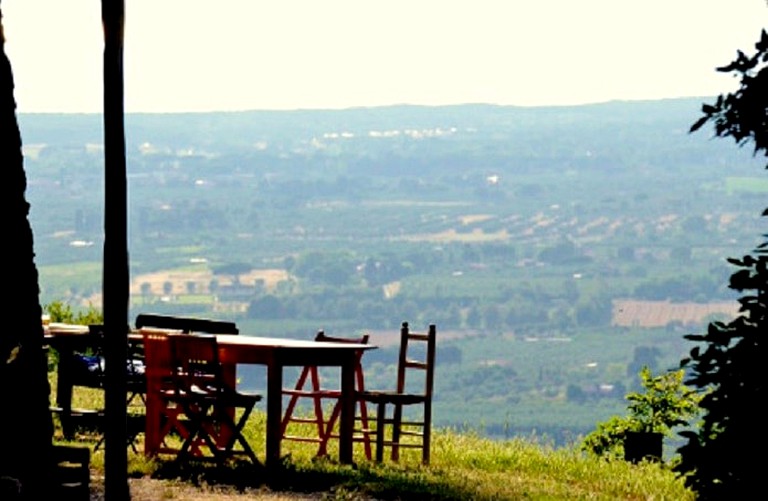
(180, 280)
(475, 236)
(629, 313)
(746, 184)
(391, 337)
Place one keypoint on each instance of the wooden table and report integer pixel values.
(276, 354)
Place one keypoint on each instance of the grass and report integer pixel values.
(464, 466)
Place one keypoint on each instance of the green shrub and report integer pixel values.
(63, 313)
(665, 403)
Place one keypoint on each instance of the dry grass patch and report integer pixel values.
(476, 235)
(630, 313)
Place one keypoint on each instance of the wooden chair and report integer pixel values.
(158, 327)
(135, 377)
(159, 375)
(207, 400)
(86, 368)
(419, 428)
(308, 386)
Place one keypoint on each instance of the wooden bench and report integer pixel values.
(186, 324)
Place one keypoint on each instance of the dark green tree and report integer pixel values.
(25, 463)
(721, 459)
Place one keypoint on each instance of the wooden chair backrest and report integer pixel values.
(359, 376)
(410, 343)
(196, 362)
(186, 324)
(158, 357)
(322, 336)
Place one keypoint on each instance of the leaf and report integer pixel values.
(697, 125)
(762, 45)
(740, 280)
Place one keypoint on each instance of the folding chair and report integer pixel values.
(163, 413)
(206, 399)
(318, 394)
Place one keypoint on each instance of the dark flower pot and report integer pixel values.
(639, 445)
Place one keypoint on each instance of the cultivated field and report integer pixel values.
(200, 281)
(629, 313)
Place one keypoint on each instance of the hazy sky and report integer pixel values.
(195, 55)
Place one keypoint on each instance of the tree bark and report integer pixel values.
(115, 270)
(26, 423)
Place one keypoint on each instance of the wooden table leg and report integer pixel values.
(64, 389)
(347, 418)
(274, 413)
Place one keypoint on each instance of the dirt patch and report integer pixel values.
(148, 489)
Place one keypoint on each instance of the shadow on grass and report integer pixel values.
(362, 481)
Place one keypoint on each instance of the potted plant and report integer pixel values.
(664, 404)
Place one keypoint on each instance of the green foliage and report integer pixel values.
(743, 114)
(607, 440)
(664, 404)
(729, 359)
(63, 312)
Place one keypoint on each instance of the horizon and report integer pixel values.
(341, 54)
(396, 105)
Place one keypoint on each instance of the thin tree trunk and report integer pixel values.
(115, 270)
(25, 419)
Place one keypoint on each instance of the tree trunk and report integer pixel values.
(25, 460)
(115, 270)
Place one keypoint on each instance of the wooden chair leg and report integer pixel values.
(381, 414)
(397, 420)
(292, 402)
(366, 429)
(326, 434)
(235, 436)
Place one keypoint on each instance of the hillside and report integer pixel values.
(523, 231)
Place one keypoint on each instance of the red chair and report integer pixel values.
(163, 414)
(308, 386)
(207, 400)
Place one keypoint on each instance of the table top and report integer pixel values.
(242, 348)
(277, 342)
(246, 349)
(60, 329)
